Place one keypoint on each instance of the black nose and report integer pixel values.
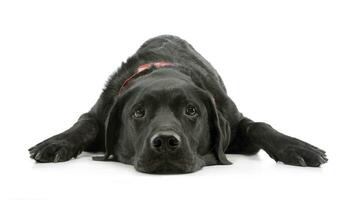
(165, 141)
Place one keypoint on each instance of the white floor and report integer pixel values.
(255, 177)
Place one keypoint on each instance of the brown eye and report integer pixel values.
(139, 113)
(191, 110)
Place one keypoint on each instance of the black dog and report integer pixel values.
(166, 111)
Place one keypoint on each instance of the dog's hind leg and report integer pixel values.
(252, 136)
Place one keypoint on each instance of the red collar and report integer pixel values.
(144, 67)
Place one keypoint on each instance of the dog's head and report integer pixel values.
(164, 123)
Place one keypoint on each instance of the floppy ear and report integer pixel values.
(112, 128)
(222, 131)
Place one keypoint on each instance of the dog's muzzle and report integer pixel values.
(165, 142)
(166, 152)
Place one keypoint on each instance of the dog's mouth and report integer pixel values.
(169, 166)
(167, 152)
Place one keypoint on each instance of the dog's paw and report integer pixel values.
(299, 153)
(54, 150)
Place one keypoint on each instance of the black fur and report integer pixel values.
(163, 95)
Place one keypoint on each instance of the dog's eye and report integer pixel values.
(139, 113)
(191, 110)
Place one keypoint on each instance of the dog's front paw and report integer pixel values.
(299, 153)
(55, 149)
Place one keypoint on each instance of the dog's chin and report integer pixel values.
(166, 166)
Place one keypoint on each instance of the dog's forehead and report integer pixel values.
(162, 85)
(162, 81)
(165, 89)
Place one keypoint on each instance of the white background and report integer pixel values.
(279, 61)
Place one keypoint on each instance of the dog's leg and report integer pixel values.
(257, 135)
(69, 144)
(88, 133)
